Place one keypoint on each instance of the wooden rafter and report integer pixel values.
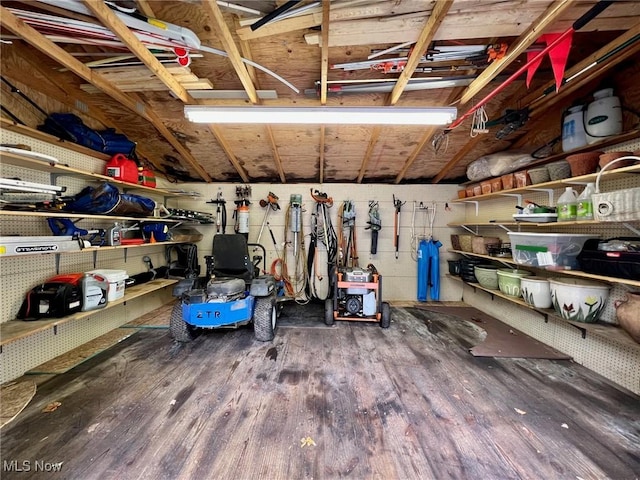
(215, 130)
(324, 61)
(438, 13)
(524, 41)
(460, 154)
(430, 132)
(37, 40)
(435, 19)
(540, 103)
(52, 84)
(324, 73)
(145, 8)
(117, 26)
(212, 9)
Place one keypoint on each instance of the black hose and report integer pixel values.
(276, 13)
(593, 12)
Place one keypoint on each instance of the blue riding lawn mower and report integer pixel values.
(231, 294)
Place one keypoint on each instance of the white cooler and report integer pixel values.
(116, 280)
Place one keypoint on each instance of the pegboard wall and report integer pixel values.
(619, 362)
(18, 274)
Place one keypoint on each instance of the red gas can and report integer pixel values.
(147, 178)
(122, 168)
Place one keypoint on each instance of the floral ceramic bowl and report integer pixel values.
(578, 300)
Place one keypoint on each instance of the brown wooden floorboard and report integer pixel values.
(408, 402)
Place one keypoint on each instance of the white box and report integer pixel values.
(116, 280)
(547, 250)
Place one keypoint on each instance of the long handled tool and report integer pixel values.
(396, 224)
(577, 25)
(272, 204)
(221, 213)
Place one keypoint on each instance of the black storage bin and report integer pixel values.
(610, 263)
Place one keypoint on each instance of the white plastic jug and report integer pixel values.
(585, 205)
(604, 116)
(573, 134)
(567, 207)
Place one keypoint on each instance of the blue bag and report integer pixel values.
(107, 200)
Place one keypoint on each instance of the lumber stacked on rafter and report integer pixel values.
(141, 79)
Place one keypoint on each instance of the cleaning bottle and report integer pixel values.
(568, 205)
(585, 206)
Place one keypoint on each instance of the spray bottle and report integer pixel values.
(585, 205)
(568, 205)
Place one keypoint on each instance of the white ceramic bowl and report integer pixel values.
(536, 291)
(578, 300)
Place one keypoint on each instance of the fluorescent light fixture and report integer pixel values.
(321, 115)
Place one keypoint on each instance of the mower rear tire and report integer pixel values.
(179, 330)
(328, 311)
(265, 318)
(385, 315)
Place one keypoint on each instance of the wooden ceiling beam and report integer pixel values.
(41, 43)
(145, 8)
(523, 42)
(436, 17)
(117, 26)
(375, 134)
(324, 75)
(211, 9)
(460, 154)
(539, 102)
(215, 130)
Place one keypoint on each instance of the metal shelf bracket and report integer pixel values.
(549, 193)
(476, 203)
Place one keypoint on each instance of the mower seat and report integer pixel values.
(230, 257)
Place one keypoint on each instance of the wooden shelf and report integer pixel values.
(608, 174)
(53, 140)
(14, 330)
(572, 273)
(625, 137)
(606, 330)
(58, 169)
(18, 213)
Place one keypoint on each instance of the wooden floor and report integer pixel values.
(352, 401)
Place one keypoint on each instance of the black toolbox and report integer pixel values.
(611, 263)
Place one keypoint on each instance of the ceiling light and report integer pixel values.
(321, 115)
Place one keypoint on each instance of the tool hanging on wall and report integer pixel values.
(241, 213)
(397, 204)
(348, 251)
(221, 212)
(271, 204)
(322, 233)
(375, 225)
(296, 285)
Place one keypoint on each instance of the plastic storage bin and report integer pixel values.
(116, 280)
(547, 250)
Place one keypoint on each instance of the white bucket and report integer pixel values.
(116, 280)
(604, 116)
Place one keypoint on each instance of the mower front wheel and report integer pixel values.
(179, 330)
(328, 311)
(385, 315)
(265, 318)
